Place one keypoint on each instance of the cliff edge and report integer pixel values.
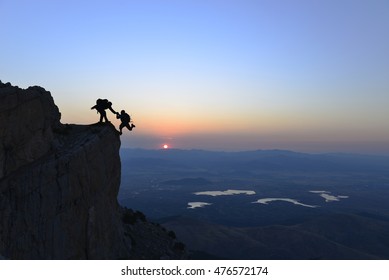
(59, 186)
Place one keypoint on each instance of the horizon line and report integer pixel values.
(258, 150)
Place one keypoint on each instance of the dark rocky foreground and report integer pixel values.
(59, 186)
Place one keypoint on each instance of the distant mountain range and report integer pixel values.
(268, 160)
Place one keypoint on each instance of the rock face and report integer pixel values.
(28, 119)
(59, 186)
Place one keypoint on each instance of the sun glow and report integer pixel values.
(165, 146)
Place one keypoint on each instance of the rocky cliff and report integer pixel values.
(59, 186)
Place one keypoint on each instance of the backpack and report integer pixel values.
(102, 104)
(125, 118)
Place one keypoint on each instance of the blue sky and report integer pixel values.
(224, 75)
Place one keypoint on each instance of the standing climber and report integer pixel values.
(125, 119)
(101, 106)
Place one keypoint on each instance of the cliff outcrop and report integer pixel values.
(59, 186)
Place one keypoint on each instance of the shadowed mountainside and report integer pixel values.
(59, 186)
(334, 236)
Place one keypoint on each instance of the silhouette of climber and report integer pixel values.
(101, 106)
(125, 119)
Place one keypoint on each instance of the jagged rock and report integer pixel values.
(28, 119)
(59, 186)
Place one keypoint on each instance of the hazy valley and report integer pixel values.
(263, 204)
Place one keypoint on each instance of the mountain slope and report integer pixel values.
(59, 186)
(333, 236)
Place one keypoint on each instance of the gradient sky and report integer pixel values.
(220, 75)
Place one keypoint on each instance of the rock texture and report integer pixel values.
(59, 186)
(28, 119)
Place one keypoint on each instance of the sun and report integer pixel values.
(165, 146)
